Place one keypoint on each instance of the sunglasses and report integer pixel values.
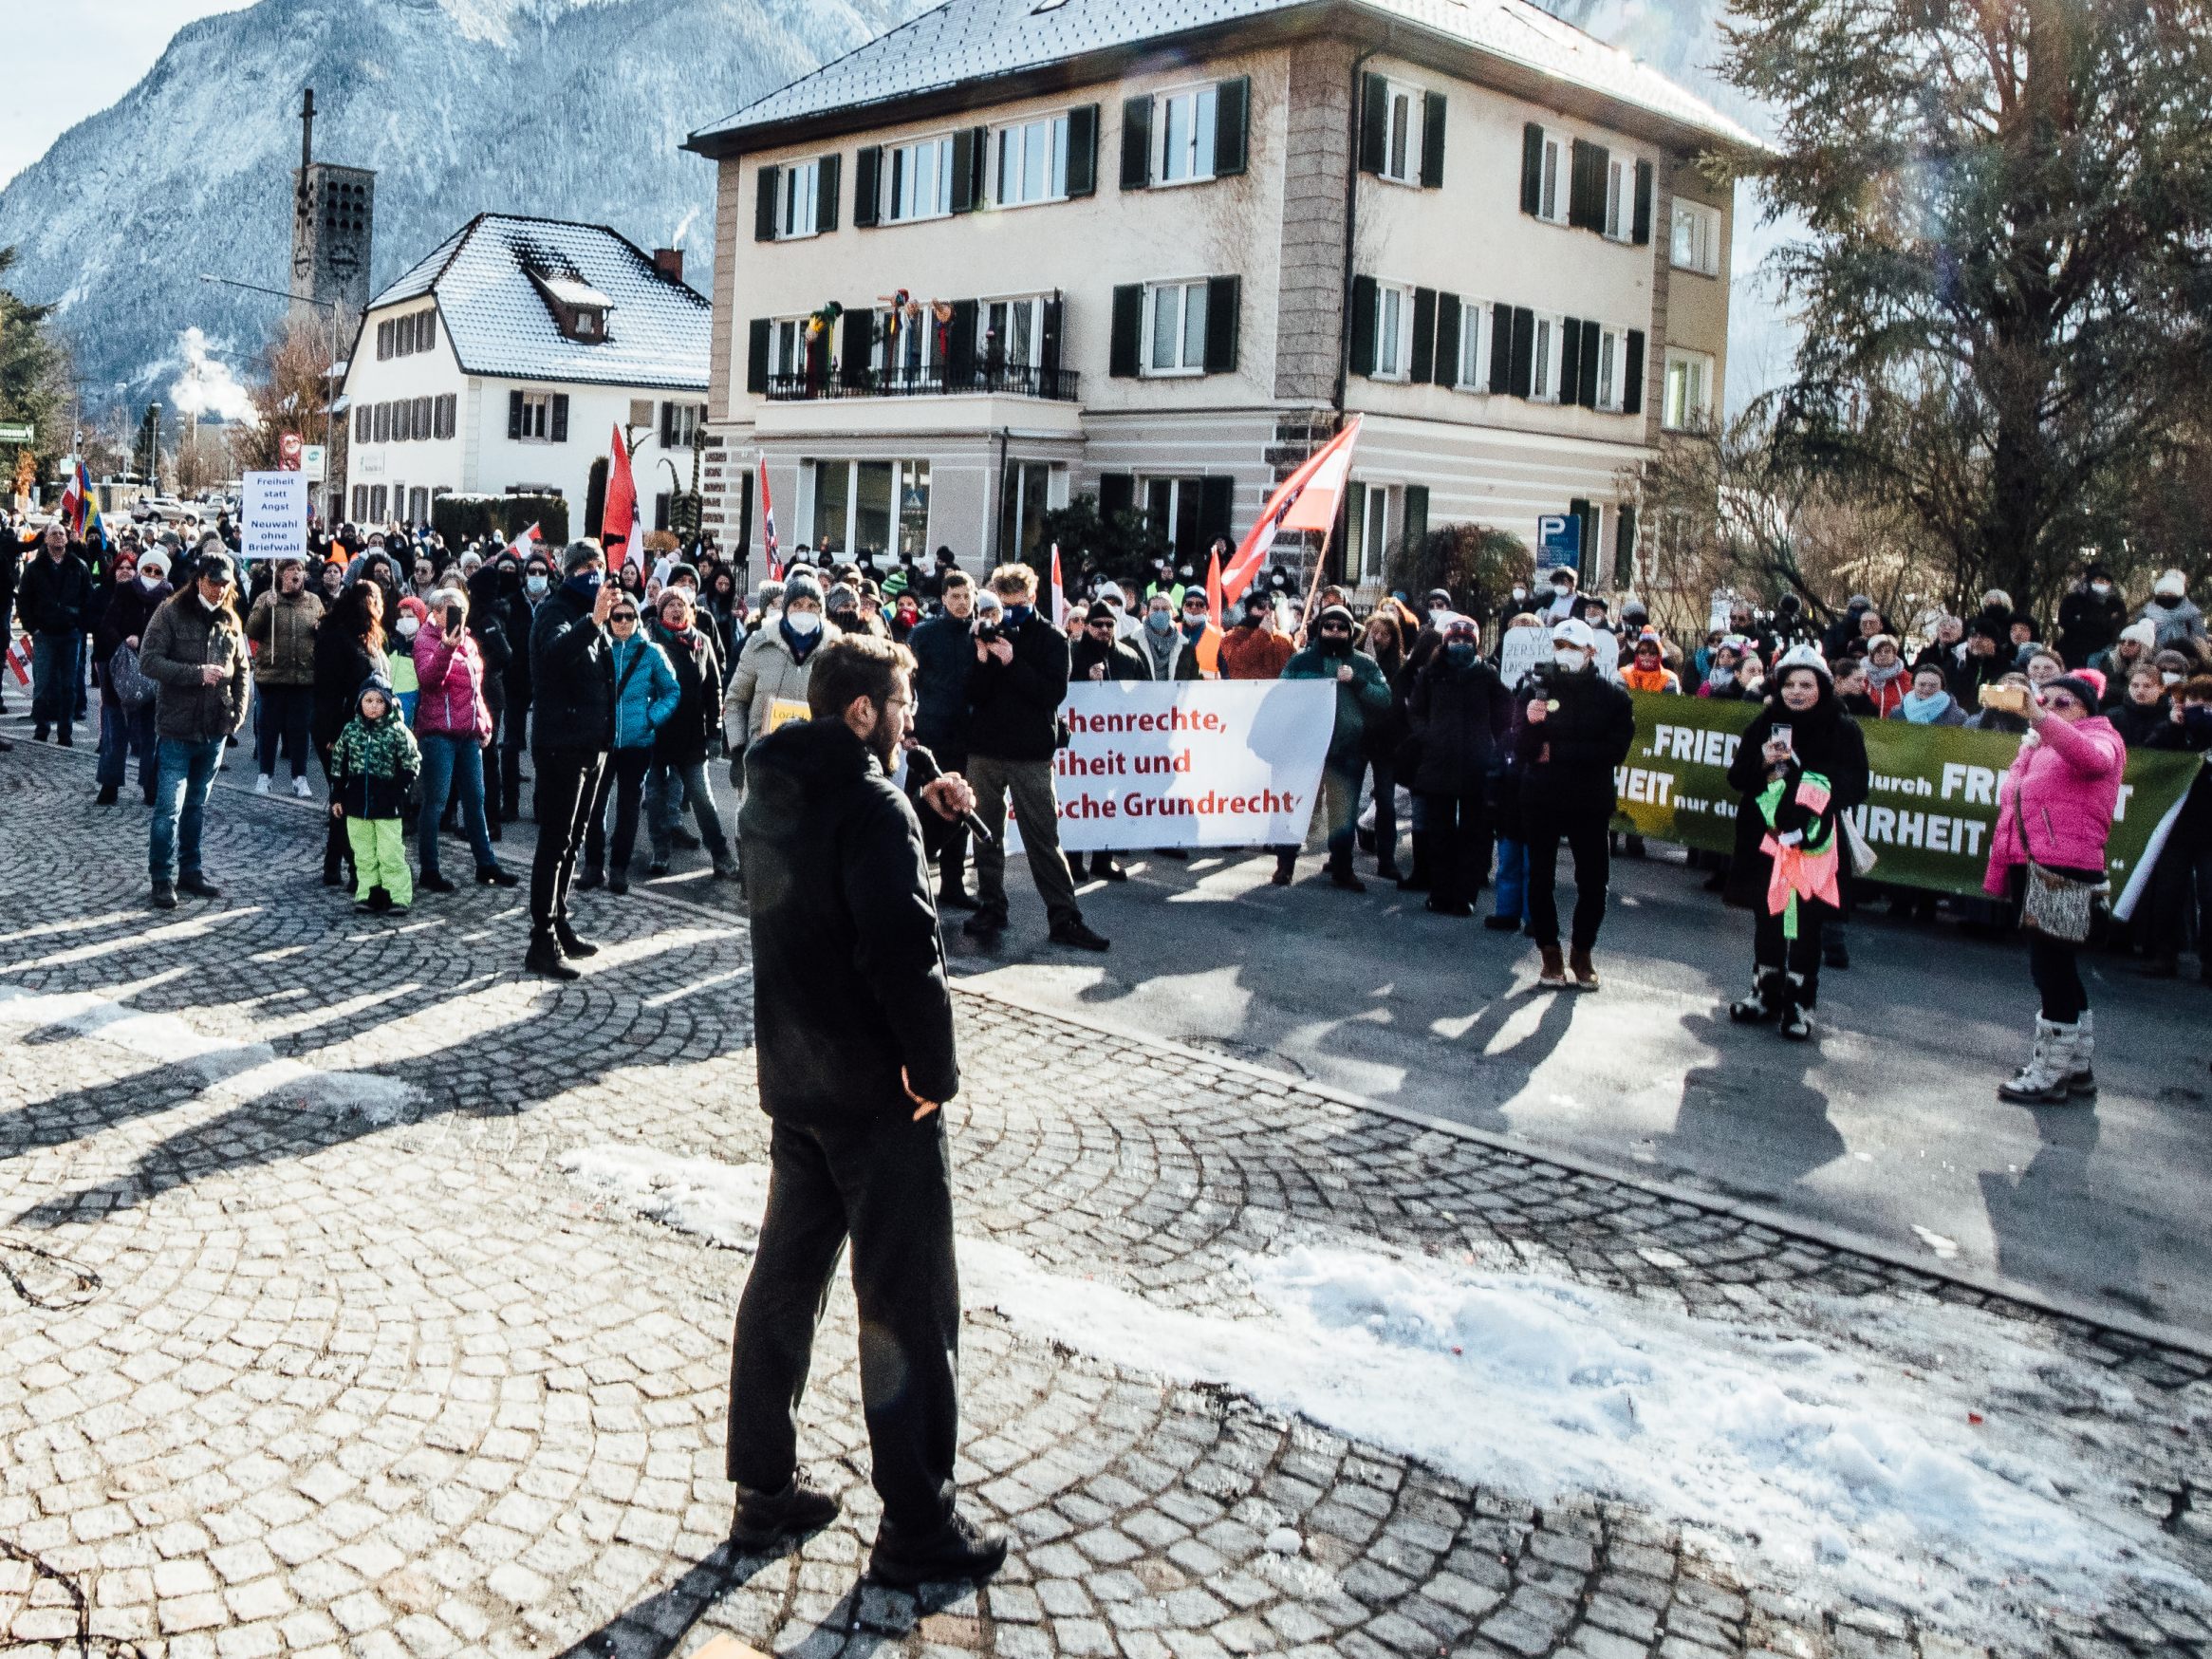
(623, 616)
(2059, 700)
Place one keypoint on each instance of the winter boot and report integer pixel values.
(1790, 1015)
(1551, 976)
(2081, 1081)
(2043, 1080)
(1417, 879)
(1586, 977)
(1761, 1005)
(544, 957)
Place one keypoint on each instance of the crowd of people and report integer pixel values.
(422, 678)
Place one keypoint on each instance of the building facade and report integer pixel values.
(503, 363)
(1006, 254)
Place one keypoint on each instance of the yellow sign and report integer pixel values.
(784, 710)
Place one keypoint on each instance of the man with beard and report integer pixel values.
(856, 1056)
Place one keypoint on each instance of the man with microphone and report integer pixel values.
(853, 1028)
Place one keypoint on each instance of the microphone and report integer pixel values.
(922, 767)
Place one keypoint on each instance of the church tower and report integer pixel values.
(333, 217)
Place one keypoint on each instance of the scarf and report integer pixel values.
(1159, 647)
(1878, 676)
(800, 643)
(1924, 711)
(1804, 864)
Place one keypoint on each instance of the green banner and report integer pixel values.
(1930, 808)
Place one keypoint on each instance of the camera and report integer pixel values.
(986, 631)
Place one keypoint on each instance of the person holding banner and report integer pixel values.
(2054, 811)
(1801, 765)
(1575, 727)
(1362, 695)
(1460, 713)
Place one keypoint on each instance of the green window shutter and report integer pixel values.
(1585, 195)
(560, 416)
(1532, 168)
(831, 187)
(1083, 150)
(1415, 530)
(1623, 545)
(1447, 358)
(1136, 143)
(1374, 123)
(1224, 301)
(1524, 350)
(1425, 336)
(1501, 346)
(1586, 390)
(514, 415)
(964, 171)
(1569, 359)
(960, 344)
(1125, 345)
(1363, 325)
(1432, 141)
(1231, 125)
(1633, 374)
(868, 186)
(1640, 232)
(755, 357)
(768, 186)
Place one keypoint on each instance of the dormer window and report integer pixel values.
(579, 310)
(591, 322)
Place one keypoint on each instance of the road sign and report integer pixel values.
(1559, 541)
(18, 432)
(314, 461)
(287, 452)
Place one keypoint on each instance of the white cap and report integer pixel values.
(1803, 656)
(1575, 632)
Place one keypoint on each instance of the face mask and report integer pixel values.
(1016, 615)
(1159, 620)
(2100, 587)
(149, 581)
(407, 627)
(1193, 625)
(537, 585)
(585, 585)
(1568, 657)
(1560, 589)
(1460, 654)
(1519, 594)
(803, 623)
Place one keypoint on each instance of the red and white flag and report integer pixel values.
(525, 543)
(18, 664)
(768, 541)
(618, 523)
(1305, 500)
(1059, 595)
(1215, 604)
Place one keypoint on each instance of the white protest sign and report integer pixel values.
(274, 521)
(1192, 763)
(1522, 651)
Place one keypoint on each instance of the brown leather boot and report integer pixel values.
(1585, 976)
(1552, 974)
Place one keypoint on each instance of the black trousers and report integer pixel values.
(498, 804)
(1771, 949)
(944, 840)
(513, 739)
(887, 1185)
(2054, 965)
(336, 848)
(1459, 833)
(568, 781)
(624, 779)
(1585, 833)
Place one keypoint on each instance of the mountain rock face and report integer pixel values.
(568, 108)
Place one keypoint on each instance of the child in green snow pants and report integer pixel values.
(380, 860)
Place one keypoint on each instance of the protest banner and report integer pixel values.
(272, 523)
(1929, 809)
(1522, 652)
(1192, 763)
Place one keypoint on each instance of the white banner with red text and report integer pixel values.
(1192, 762)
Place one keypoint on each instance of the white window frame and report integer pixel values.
(787, 348)
(1612, 369)
(1688, 374)
(908, 358)
(1035, 306)
(1704, 225)
(538, 418)
(1477, 324)
(683, 424)
(1041, 140)
(798, 208)
(1374, 532)
(1405, 108)
(1553, 179)
(1193, 149)
(1620, 217)
(1393, 330)
(897, 171)
(1180, 292)
(1547, 346)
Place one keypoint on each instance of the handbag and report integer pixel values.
(2055, 903)
(132, 689)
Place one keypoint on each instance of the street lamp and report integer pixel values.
(330, 305)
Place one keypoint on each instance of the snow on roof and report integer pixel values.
(970, 40)
(486, 275)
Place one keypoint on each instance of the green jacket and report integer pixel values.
(374, 763)
(1363, 698)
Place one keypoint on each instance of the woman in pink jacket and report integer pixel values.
(452, 723)
(2055, 807)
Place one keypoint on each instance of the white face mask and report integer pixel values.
(803, 623)
(407, 627)
(148, 580)
(1569, 658)
(537, 585)
(2100, 587)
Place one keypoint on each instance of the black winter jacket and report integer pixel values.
(571, 675)
(128, 609)
(56, 596)
(342, 665)
(1461, 717)
(848, 972)
(685, 736)
(945, 658)
(1121, 661)
(1568, 760)
(1014, 708)
(1823, 740)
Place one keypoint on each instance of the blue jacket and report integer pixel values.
(645, 691)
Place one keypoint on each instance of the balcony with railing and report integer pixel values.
(1004, 379)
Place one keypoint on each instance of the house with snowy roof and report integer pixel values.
(504, 359)
(1013, 251)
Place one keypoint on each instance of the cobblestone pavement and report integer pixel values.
(308, 1345)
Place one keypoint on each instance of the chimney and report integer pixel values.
(669, 263)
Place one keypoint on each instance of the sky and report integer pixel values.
(112, 42)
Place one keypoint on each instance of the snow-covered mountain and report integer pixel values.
(570, 108)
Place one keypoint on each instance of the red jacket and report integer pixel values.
(451, 701)
(2068, 787)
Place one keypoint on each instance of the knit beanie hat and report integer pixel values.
(2143, 633)
(798, 587)
(1334, 614)
(382, 687)
(2170, 585)
(842, 596)
(1101, 611)
(578, 552)
(2086, 685)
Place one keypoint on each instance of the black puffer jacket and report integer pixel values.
(1460, 717)
(849, 973)
(572, 674)
(1822, 739)
(1567, 760)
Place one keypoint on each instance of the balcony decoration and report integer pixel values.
(823, 319)
(897, 306)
